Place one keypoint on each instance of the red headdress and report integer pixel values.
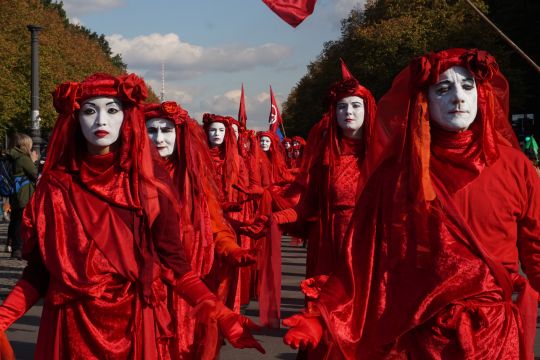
(301, 142)
(228, 149)
(409, 252)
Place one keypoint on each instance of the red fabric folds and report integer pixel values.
(96, 225)
(293, 12)
(270, 291)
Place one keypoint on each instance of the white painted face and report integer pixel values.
(235, 129)
(216, 134)
(265, 143)
(350, 116)
(162, 132)
(101, 119)
(453, 101)
(287, 145)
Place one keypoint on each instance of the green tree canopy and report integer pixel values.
(67, 53)
(379, 41)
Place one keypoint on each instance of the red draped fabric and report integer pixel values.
(418, 281)
(292, 12)
(192, 172)
(90, 248)
(97, 226)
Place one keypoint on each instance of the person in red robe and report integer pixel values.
(298, 145)
(102, 236)
(181, 144)
(287, 145)
(432, 254)
(330, 176)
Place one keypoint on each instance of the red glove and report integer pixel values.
(305, 331)
(230, 206)
(191, 288)
(21, 298)
(234, 327)
(241, 257)
(6, 352)
(256, 229)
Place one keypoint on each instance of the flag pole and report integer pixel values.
(283, 129)
(506, 38)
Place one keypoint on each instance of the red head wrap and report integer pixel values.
(169, 110)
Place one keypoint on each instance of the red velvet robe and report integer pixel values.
(105, 298)
(326, 233)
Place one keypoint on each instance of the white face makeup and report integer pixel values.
(265, 143)
(350, 116)
(216, 134)
(287, 145)
(235, 129)
(101, 119)
(162, 133)
(453, 101)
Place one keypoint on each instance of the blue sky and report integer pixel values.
(211, 47)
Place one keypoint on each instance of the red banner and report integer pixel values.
(274, 120)
(242, 117)
(292, 12)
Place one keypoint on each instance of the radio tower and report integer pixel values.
(162, 81)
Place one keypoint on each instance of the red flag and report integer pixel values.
(242, 117)
(274, 120)
(345, 73)
(292, 12)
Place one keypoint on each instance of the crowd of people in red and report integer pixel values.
(148, 233)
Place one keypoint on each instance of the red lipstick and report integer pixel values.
(101, 133)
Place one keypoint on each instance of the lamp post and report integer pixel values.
(35, 118)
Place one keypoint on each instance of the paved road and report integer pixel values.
(23, 334)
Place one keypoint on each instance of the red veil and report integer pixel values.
(273, 161)
(409, 252)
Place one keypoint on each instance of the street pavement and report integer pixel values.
(23, 334)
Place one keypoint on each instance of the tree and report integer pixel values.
(379, 41)
(67, 53)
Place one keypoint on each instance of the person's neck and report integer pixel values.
(99, 150)
(353, 134)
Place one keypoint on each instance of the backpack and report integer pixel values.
(9, 184)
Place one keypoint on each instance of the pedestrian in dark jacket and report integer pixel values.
(25, 175)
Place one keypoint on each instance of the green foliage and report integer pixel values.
(67, 53)
(381, 40)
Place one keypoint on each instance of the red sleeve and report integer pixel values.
(529, 228)
(166, 235)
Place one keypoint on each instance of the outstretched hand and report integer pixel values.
(242, 257)
(305, 331)
(236, 329)
(256, 230)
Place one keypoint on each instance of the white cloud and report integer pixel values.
(187, 60)
(76, 21)
(76, 8)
